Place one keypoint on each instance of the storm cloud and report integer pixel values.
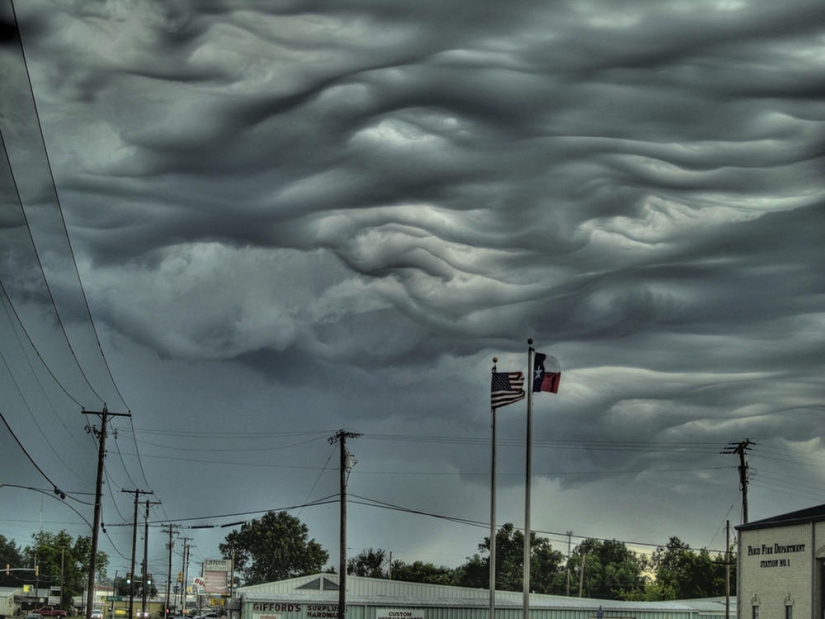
(321, 216)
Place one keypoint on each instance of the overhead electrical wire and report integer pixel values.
(137, 452)
(43, 151)
(7, 300)
(368, 502)
(57, 490)
(40, 266)
(477, 523)
(30, 91)
(37, 424)
(39, 383)
(320, 474)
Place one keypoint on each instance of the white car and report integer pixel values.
(97, 613)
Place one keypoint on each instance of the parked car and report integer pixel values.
(34, 616)
(142, 614)
(97, 613)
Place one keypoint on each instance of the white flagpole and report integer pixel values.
(528, 475)
(493, 514)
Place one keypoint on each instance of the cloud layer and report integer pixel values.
(372, 200)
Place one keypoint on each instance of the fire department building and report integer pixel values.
(780, 566)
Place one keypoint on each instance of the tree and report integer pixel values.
(650, 592)
(369, 563)
(685, 574)
(10, 555)
(545, 563)
(63, 561)
(418, 571)
(273, 548)
(610, 569)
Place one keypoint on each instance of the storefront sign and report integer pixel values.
(399, 613)
(275, 607)
(322, 611)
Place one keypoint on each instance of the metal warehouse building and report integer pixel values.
(316, 597)
(780, 565)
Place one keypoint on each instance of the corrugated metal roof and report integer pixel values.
(378, 592)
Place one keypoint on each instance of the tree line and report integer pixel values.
(277, 546)
(61, 560)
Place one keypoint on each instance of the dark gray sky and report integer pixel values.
(294, 217)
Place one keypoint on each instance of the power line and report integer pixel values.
(7, 299)
(36, 422)
(57, 490)
(476, 523)
(53, 185)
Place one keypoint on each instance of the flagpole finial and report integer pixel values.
(495, 359)
(530, 341)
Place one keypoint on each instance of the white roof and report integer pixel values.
(380, 591)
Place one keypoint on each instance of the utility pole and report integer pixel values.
(131, 574)
(569, 539)
(347, 461)
(232, 575)
(581, 574)
(184, 573)
(172, 527)
(101, 454)
(727, 569)
(740, 449)
(145, 576)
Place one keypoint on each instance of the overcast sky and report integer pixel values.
(290, 218)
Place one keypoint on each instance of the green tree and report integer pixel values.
(474, 573)
(545, 563)
(650, 592)
(369, 563)
(63, 561)
(274, 547)
(610, 569)
(418, 571)
(685, 574)
(12, 556)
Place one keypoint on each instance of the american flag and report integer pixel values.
(506, 388)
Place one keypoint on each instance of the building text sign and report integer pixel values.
(275, 610)
(776, 549)
(399, 613)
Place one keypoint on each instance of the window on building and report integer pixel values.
(789, 612)
(755, 608)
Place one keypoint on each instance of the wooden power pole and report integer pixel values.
(740, 449)
(341, 437)
(101, 455)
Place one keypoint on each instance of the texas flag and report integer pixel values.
(546, 373)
